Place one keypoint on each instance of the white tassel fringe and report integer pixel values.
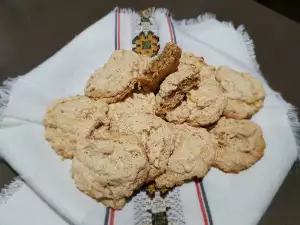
(10, 190)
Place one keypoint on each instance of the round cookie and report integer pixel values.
(192, 157)
(116, 78)
(245, 93)
(110, 169)
(203, 106)
(155, 134)
(240, 144)
(71, 119)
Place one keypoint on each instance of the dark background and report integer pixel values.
(289, 8)
(33, 30)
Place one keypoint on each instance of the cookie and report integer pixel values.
(134, 103)
(240, 144)
(161, 66)
(126, 71)
(71, 119)
(116, 78)
(203, 106)
(155, 134)
(174, 87)
(192, 157)
(110, 169)
(188, 58)
(245, 93)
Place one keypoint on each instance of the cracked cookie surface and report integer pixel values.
(70, 119)
(174, 87)
(203, 105)
(245, 93)
(111, 168)
(193, 155)
(240, 144)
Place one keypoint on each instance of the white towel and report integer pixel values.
(221, 199)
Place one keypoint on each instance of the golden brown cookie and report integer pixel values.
(134, 103)
(174, 87)
(155, 134)
(245, 93)
(192, 157)
(240, 144)
(203, 106)
(111, 168)
(70, 119)
(116, 78)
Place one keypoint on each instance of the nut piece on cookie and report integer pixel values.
(240, 144)
(71, 119)
(174, 87)
(192, 157)
(161, 66)
(110, 169)
(203, 106)
(245, 93)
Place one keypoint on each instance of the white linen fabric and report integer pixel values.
(50, 192)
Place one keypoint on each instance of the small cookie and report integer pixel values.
(240, 144)
(155, 134)
(192, 157)
(203, 105)
(245, 93)
(71, 119)
(161, 66)
(109, 170)
(174, 87)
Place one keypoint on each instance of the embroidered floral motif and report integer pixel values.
(145, 41)
(146, 44)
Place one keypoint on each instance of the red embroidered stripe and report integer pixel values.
(170, 28)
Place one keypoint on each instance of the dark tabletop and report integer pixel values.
(33, 30)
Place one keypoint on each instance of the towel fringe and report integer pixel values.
(5, 91)
(249, 44)
(10, 189)
(199, 19)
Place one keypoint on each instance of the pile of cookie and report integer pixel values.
(166, 120)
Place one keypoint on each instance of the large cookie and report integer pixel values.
(111, 168)
(174, 87)
(71, 119)
(245, 93)
(203, 105)
(126, 70)
(192, 157)
(155, 134)
(116, 78)
(240, 144)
